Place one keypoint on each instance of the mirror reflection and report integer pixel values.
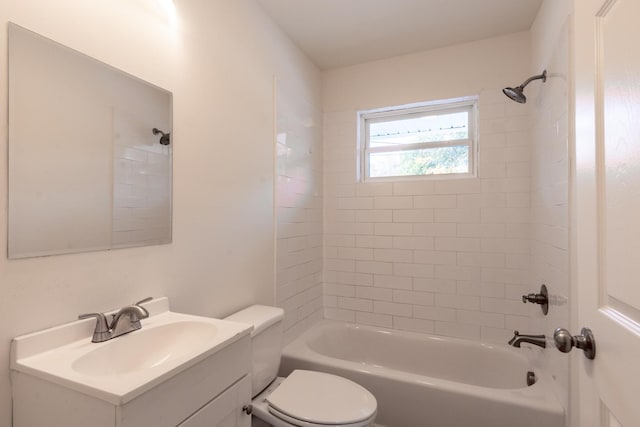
(89, 153)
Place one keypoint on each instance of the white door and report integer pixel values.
(607, 209)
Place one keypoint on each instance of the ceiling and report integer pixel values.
(337, 33)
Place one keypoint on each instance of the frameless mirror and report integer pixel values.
(89, 153)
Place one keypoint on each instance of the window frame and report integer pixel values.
(401, 112)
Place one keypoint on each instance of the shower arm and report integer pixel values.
(542, 76)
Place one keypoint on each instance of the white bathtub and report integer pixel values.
(428, 381)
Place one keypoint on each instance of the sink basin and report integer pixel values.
(124, 367)
(146, 348)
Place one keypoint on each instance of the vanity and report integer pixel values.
(177, 370)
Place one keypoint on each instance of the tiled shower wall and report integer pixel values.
(299, 207)
(550, 183)
(443, 256)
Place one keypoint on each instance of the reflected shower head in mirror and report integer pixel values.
(517, 93)
(165, 139)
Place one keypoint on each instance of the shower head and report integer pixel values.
(517, 93)
(165, 139)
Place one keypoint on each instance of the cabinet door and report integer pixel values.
(226, 409)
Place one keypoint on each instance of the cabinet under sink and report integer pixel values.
(60, 378)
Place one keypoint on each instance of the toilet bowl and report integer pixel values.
(304, 398)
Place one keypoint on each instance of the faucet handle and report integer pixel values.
(102, 331)
(101, 321)
(147, 299)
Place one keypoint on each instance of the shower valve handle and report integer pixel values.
(542, 298)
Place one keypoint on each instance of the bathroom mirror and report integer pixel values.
(90, 151)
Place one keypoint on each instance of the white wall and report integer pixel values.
(443, 256)
(299, 203)
(219, 62)
(550, 181)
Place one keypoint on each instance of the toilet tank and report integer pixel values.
(266, 342)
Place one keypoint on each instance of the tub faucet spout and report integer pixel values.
(538, 340)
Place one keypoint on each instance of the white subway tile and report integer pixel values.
(364, 279)
(413, 297)
(445, 286)
(435, 201)
(494, 320)
(457, 215)
(492, 111)
(435, 257)
(330, 301)
(372, 293)
(340, 314)
(415, 325)
(466, 302)
(518, 169)
(515, 292)
(393, 255)
(374, 319)
(517, 261)
(340, 264)
(482, 289)
(355, 304)
(435, 229)
(411, 242)
(374, 189)
(495, 335)
(457, 330)
(514, 246)
(504, 306)
(413, 270)
(481, 200)
(355, 203)
(458, 244)
(487, 169)
(392, 282)
(458, 272)
(517, 231)
(393, 309)
(493, 140)
(504, 275)
(478, 259)
(374, 241)
(411, 188)
(393, 229)
(374, 216)
(481, 230)
(363, 254)
(434, 313)
(518, 200)
(505, 215)
(413, 215)
(521, 323)
(374, 267)
(339, 240)
(458, 186)
(394, 202)
(339, 290)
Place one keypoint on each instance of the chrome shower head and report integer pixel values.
(517, 93)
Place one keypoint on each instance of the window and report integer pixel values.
(419, 140)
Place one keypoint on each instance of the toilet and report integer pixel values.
(304, 398)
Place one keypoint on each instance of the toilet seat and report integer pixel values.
(313, 399)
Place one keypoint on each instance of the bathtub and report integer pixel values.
(429, 381)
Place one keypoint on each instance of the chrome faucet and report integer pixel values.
(538, 340)
(126, 320)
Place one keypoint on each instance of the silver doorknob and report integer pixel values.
(585, 341)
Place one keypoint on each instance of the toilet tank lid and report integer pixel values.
(260, 316)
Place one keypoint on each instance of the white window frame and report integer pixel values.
(469, 104)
